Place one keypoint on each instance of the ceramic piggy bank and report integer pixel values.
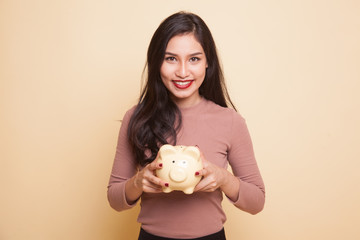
(179, 164)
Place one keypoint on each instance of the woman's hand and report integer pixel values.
(215, 177)
(144, 181)
(147, 181)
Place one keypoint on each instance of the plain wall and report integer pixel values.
(70, 69)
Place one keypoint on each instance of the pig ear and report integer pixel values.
(166, 150)
(193, 152)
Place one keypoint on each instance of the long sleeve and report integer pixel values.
(223, 137)
(124, 168)
(241, 157)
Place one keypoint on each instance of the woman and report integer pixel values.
(184, 102)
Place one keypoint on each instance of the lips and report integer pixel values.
(182, 84)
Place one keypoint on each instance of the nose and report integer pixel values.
(182, 70)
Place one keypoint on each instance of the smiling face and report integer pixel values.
(183, 69)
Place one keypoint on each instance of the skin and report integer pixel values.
(185, 62)
(215, 177)
(182, 72)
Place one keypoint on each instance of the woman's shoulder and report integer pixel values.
(129, 113)
(222, 118)
(131, 110)
(224, 112)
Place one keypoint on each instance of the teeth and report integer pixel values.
(182, 83)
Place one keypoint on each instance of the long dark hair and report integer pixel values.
(157, 119)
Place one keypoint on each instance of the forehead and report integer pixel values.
(184, 43)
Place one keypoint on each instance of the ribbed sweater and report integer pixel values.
(223, 137)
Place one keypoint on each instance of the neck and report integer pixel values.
(188, 102)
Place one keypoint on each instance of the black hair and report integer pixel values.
(157, 119)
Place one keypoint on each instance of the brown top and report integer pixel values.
(223, 137)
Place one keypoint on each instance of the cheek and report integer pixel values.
(201, 73)
(162, 71)
(201, 70)
(165, 71)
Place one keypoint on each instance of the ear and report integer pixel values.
(166, 150)
(193, 152)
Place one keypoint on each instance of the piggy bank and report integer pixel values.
(179, 164)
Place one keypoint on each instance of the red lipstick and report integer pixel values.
(182, 84)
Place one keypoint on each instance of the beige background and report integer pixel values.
(69, 69)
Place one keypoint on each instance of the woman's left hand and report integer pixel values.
(213, 176)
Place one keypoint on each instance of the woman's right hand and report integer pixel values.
(144, 181)
(147, 181)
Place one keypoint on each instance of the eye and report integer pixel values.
(173, 161)
(183, 163)
(194, 59)
(170, 59)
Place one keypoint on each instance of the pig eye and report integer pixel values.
(173, 161)
(183, 163)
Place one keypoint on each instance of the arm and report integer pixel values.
(124, 168)
(127, 183)
(251, 195)
(245, 189)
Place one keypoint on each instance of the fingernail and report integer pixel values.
(166, 185)
(160, 165)
(197, 173)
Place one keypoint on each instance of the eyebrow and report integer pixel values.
(192, 54)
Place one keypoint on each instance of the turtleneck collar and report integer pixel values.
(198, 107)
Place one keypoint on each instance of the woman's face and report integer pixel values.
(183, 69)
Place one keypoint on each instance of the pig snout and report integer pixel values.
(178, 174)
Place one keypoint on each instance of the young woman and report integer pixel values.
(184, 102)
